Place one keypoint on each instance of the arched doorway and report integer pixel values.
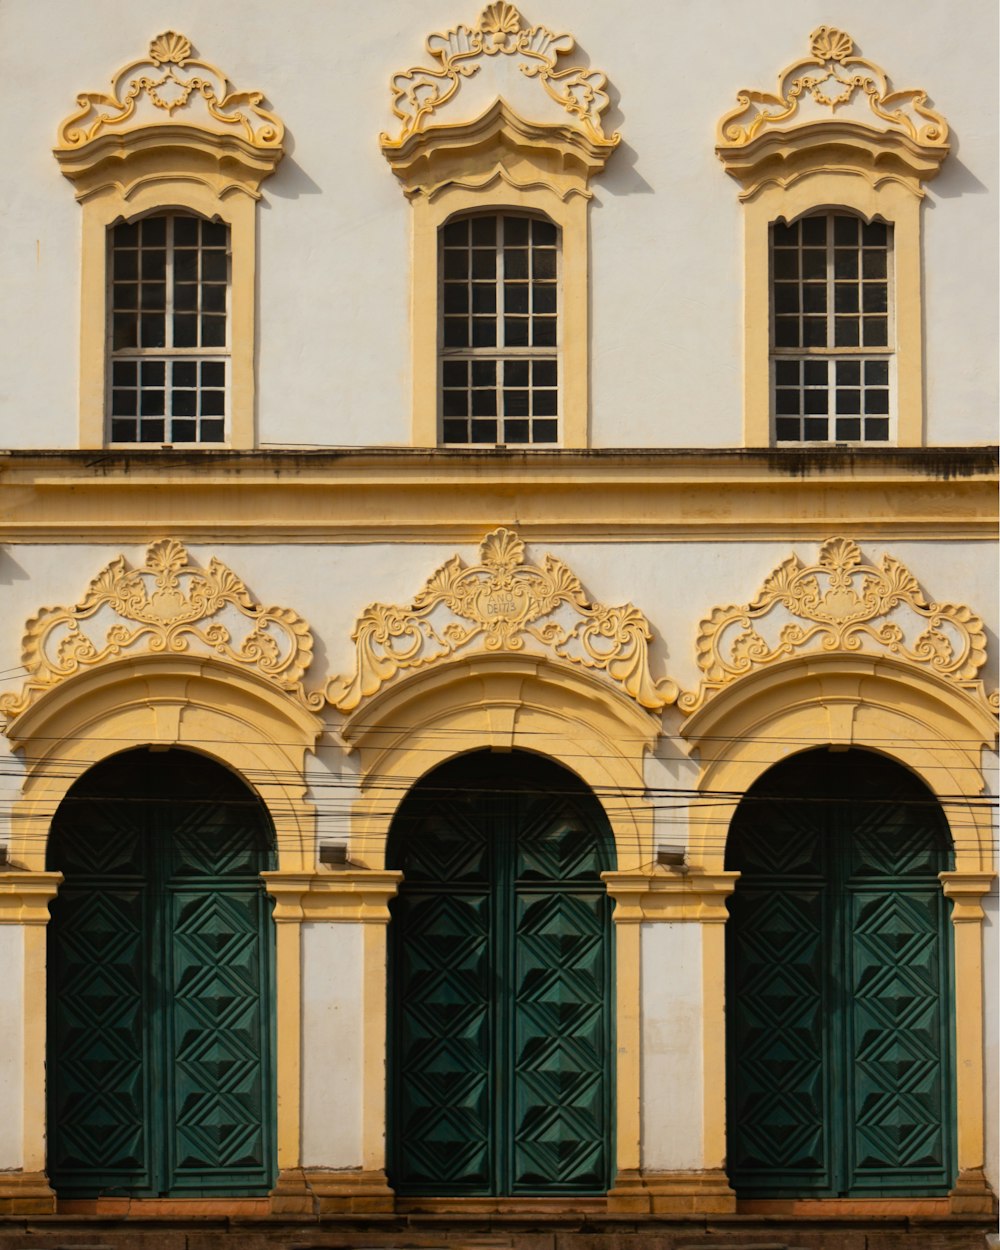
(501, 996)
(839, 983)
(160, 983)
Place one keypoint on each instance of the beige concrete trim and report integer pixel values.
(25, 896)
(128, 155)
(332, 896)
(288, 1033)
(26, 1193)
(667, 896)
(628, 1039)
(446, 496)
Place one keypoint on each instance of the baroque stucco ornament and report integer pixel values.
(171, 606)
(500, 602)
(842, 603)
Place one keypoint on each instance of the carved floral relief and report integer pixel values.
(842, 603)
(498, 605)
(170, 606)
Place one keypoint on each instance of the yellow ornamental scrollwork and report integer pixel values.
(180, 88)
(843, 603)
(170, 606)
(420, 92)
(499, 603)
(832, 77)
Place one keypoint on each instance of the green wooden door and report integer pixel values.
(501, 983)
(160, 983)
(839, 984)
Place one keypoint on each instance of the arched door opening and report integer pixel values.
(501, 995)
(160, 983)
(839, 983)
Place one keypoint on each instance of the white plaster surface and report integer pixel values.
(672, 1076)
(332, 1045)
(12, 1043)
(333, 254)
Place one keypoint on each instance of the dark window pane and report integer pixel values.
(455, 372)
(543, 298)
(455, 404)
(213, 331)
(845, 298)
(545, 403)
(123, 403)
(515, 232)
(186, 297)
(483, 432)
(123, 431)
(543, 233)
(151, 431)
(484, 231)
(813, 230)
(786, 265)
(126, 236)
(484, 297)
(848, 428)
(153, 231)
(544, 333)
(786, 332)
(848, 400)
(543, 264)
(185, 330)
(875, 298)
(515, 297)
(515, 331)
(184, 403)
(214, 234)
(876, 401)
(123, 373)
(455, 431)
(876, 331)
(845, 264)
(154, 296)
(153, 372)
(214, 266)
(784, 235)
(517, 432)
(456, 264)
(213, 373)
(153, 330)
(877, 372)
(877, 429)
(873, 264)
(124, 331)
(814, 297)
(846, 331)
(848, 372)
(815, 401)
(456, 233)
(213, 431)
(845, 230)
(484, 264)
(484, 373)
(484, 332)
(126, 265)
(545, 373)
(786, 297)
(213, 298)
(813, 263)
(185, 266)
(814, 332)
(815, 430)
(515, 373)
(786, 372)
(515, 263)
(815, 372)
(484, 403)
(786, 402)
(515, 404)
(151, 403)
(874, 235)
(154, 264)
(213, 403)
(456, 332)
(183, 431)
(785, 428)
(456, 297)
(546, 431)
(186, 231)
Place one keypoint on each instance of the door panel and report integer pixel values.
(838, 983)
(160, 983)
(500, 981)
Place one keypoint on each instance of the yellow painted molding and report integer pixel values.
(165, 113)
(410, 495)
(831, 110)
(171, 606)
(25, 896)
(967, 891)
(842, 603)
(336, 897)
(670, 897)
(421, 92)
(502, 701)
(170, 136)
(26, 1193)
(501, 603)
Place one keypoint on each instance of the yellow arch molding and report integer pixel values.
(928, 723)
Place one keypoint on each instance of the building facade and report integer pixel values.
(500, 576)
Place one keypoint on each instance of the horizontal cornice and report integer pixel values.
(416, 494)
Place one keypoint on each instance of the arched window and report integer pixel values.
(832, 330)
(169, 340)
(499, 330)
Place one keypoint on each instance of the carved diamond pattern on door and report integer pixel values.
(160, 983)
(838, 984)
(500, 984)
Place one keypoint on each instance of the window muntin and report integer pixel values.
(831, 329)
(169, 330)
(499, 337)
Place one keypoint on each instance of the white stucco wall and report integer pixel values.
(672, 1097)
(11, 1044)
(666, 246)
(332, 1042)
